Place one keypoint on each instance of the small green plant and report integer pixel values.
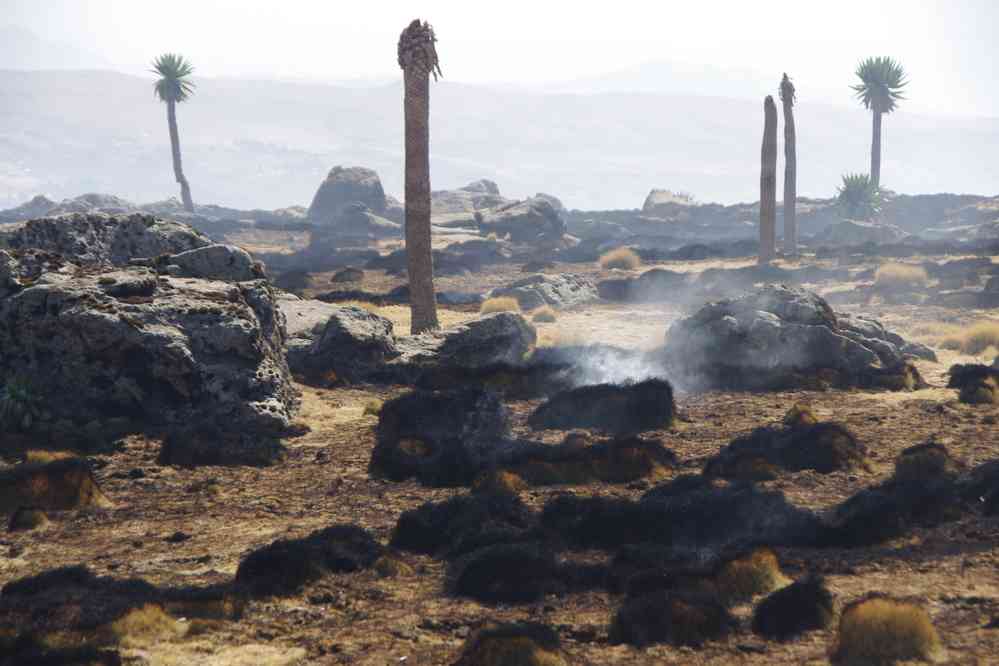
(859, 197)
(20, 404)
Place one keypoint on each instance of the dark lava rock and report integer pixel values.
(615, 409)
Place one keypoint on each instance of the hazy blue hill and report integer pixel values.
(268, 144)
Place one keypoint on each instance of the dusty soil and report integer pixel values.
(360, 618)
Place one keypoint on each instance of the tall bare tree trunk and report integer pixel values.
(768, 183)
(790, 170)
(178, 169)
(876, 149)
(418, 58)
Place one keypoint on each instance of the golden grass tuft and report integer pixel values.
(881, 630)
(757, 572)
(623, 257)
(510, 645)
(61, 485)
(373, 407)
(499, 304)
(544, 315)
(974, 339)
(499, 482)
(146, 625)
(387, 566)
(43, 457)
(900, 276)
(800, 415)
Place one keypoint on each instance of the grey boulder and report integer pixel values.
(162, 353)
(559, 291)
(780, 337)
(218, 262)
(100, 239)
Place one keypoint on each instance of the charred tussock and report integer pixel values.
(499, 482)
(69, 615)
(61, 485)
(462, 524)
(806, 605)
(284, 566)
(676, 618)
(440, 438)
(506, 644)
(614, 461)
(733, 576)
(977, 384)
(879, 630)
(889, 510)
(702, 516)
(511, 573)
(616, 409)
(928, 462)
(767, 451)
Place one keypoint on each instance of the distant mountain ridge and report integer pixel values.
(267, 144)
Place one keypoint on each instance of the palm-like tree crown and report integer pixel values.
(173, 84)
(881, 82)
(417, 49)
(859, 197)
(787, 94)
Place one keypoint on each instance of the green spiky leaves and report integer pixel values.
(859, 197)
(173, 84)
(881, 82)
(20, 404)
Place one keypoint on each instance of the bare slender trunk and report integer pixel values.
(790, 182)
(178, 169)
(876, 149)
(423, 301)
(768, 183)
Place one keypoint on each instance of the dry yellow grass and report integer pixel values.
(623, 258)
(900, 276)
(401, 316)
(544, 315)
(880, 630)
(146, 625)
(499, 482)
(373, 407)
(745, 577)
(978, 339)
(499, 304)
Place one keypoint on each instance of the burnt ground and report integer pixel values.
(362, 618)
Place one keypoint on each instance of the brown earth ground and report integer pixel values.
(953, 571)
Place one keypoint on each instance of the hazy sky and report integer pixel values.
(948, 48)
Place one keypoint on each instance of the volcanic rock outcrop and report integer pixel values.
(346, 185)
(103, 344)
(105, 240)
(780, 337)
